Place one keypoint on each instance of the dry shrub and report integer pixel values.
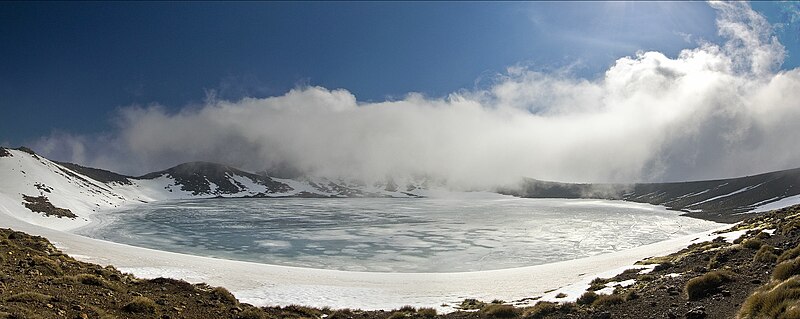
(471, 304)
(407, 308)
(663, 266)
(252, 313)
(786, 269)
(91, 280)
(426, 312)
(597, 284)
(28, 297)
(606, 300)
(765, 254)
(701, 286)
(223, 295)
(302, 311)
(779, 299)
(587, 298)
(790, 254)
(753, 243)
(499, 311)
(141, 304)
(399, 315)
(540, 310)
(47, 266)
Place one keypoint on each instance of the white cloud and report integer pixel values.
(713, 111)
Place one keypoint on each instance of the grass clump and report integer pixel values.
(632, 271)
(753, 243)
(663, 266)
(29, 296)
(302, 311)
(426, 312)
(704, 285)
(407, 308)
(631, 295)
(252, 313)
(499, 311)
(723, 256)
(786, 269)
(345, 313)
(606, 300)
(597, 284)
(141, 304)
(540, 310)
(765, 254)
(16, 312)
(46, 266)
(223, 295)
(775, 300)
(587, 298)
(178, 284)
(646, 277)
(788, 227)
(790, 254)
(471, 304)
(91, 280)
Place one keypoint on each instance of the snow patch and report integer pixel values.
(785, 202)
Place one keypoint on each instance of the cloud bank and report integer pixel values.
(717, 110)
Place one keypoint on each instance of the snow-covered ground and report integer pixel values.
(261, 284)
(788, 201)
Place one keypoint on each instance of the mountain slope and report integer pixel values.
(29, 182)
(32, 183)
(203, 178)
(722, 200)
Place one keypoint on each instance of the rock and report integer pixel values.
(696, 313)
(601, 315)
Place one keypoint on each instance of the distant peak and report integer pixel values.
(200, 166)
(196, 168)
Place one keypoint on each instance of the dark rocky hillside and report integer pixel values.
(97, 174)
(723, 200)
(196, 177)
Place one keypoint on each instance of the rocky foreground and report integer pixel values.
(756, 276)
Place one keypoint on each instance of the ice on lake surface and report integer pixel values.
(393, 234)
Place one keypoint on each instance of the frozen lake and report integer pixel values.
(460, 233)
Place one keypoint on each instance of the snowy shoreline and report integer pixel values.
(264, 284)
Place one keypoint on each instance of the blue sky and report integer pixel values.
(69, 66)
(569, 91)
